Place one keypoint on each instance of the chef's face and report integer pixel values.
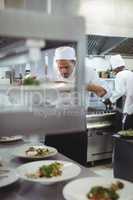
(65, 67)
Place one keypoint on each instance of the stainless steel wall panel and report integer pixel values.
(31, 24)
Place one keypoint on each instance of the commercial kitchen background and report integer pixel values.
(106, 22)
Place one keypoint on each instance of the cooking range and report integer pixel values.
(100, 127)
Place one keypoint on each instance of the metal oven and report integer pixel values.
(100, 126)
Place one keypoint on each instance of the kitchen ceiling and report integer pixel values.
(5, 41)
(125, 48)
(11, 46)
(103, 45)
(96, 45)
(15, 46)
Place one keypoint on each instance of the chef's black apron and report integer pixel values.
(129, 122)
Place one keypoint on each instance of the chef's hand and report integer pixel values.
(108, 104)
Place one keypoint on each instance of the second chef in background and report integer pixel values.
(123, 87)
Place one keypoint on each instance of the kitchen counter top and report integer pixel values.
(23, 190)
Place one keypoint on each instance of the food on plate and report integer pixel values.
(48, 171)
(126, 132)
(31, 80)
(60, 82)
(105, 193)
(37, 152)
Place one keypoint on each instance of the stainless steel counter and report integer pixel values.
(23, 190)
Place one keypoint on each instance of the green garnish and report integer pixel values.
(104, 193)
(31, 81)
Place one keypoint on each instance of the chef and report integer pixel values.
(64, 69)
(123, 82)
(73, 145)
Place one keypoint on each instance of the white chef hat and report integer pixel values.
(116, 61)
(65, 53)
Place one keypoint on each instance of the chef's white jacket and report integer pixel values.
(91, 77)
(123, 87)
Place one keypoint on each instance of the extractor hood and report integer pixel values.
(11, 46)
(103, 45)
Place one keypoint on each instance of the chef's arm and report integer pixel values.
(97, 89)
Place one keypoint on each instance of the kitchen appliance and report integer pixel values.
(100, 126)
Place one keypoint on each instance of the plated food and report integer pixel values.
(31, 80)
(51, 170)
(11, 138)
(60, 82)
(38, 151)
(34, 152)
(48, 172)
(105, 193)
(97, 188)
(126, 133)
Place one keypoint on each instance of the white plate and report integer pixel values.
(21, 151)
(11, 138)
(78, 189)
(70, 170)
(9, 178)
